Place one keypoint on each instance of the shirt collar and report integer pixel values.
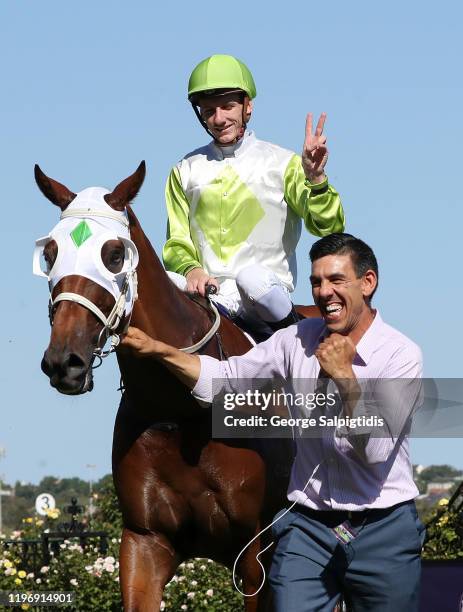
(368, 342)
(234, 150)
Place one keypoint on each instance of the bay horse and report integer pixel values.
(182, 494)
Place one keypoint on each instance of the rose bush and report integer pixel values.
(198, 585)
(443, 538)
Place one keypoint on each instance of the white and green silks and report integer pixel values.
(229, 207)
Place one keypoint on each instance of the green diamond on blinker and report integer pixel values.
(80, 233)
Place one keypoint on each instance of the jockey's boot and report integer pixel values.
(290, 319)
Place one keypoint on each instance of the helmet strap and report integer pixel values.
(245, 115)
(201, 120)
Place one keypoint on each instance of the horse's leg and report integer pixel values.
(147, 563)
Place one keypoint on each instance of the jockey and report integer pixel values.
(235, 205)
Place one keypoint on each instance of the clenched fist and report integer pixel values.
(335, 355)
(198, 280)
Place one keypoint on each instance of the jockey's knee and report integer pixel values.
(262, 292)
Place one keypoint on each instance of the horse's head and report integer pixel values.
(90, 264)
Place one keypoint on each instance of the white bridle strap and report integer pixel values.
(111, 322)
(85, 213)
(208, 336)
(80, 299)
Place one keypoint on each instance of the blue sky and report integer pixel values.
(91, 88)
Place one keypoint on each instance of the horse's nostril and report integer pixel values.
(74, 361)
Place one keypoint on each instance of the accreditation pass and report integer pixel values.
(37, 598)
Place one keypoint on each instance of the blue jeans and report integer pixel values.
(377, 571)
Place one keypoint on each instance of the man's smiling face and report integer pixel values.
(224, 116)
(340, 295)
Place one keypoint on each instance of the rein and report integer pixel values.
(205, 339)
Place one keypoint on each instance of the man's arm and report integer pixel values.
(396, 396)
(179, 253)
(267, 360)
(318, 205)
(306, 186)
(185, 367)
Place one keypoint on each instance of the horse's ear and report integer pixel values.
(56, 192)
(126, 191)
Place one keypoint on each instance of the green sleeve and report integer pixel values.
(319, 206)
(179, 253)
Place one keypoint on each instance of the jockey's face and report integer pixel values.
(224, 116)
(341, 296)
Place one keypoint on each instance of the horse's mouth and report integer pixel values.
(73, 386)
(71, 374)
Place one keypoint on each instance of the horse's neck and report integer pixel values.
(162, 310)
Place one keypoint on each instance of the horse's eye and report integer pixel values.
(49, 255)
(113, 254)
(117, 257)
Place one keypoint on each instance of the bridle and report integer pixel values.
(111, 323)
(112, 328)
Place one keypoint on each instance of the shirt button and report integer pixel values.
(225, 193)
(224, 231)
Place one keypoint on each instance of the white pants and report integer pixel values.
(256, 295)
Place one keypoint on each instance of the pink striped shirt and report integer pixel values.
(331, 471)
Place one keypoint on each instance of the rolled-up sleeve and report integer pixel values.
(268, 360)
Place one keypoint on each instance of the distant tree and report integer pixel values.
(439, 472)
(436, 473)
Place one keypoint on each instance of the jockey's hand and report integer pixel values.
(141, 344)
(314, 151)
(197, 280)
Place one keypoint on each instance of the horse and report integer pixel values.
(182, 493)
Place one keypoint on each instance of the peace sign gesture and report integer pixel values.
(314, 151)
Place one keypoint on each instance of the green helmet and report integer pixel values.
(220, 72)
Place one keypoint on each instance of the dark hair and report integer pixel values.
(362, 256)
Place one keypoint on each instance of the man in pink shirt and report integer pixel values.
(352, 527)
